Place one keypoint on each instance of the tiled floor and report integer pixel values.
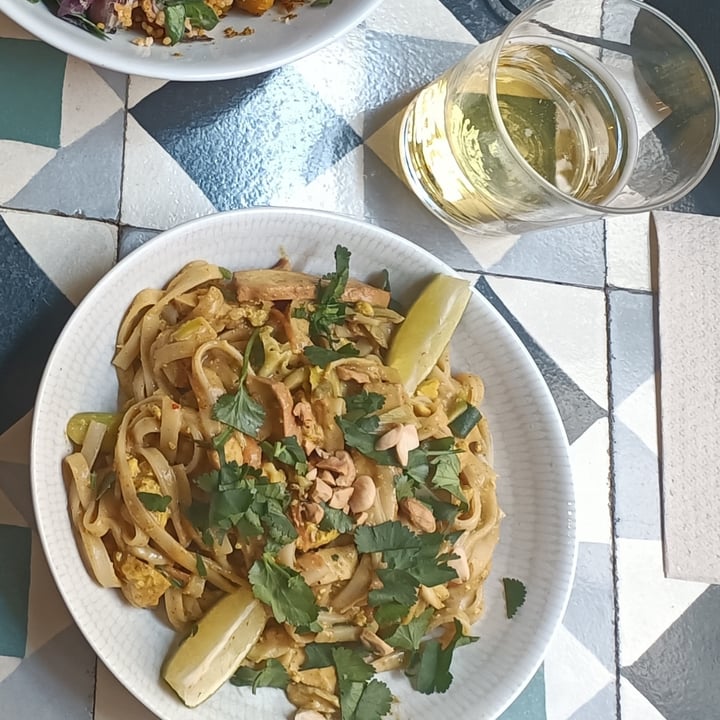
(106, 161)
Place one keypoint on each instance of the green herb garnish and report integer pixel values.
(284, 590)
(273, 674)
(154, 501)
(515, 594)
(239, 409)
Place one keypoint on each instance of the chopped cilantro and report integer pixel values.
(273, 674)
(320, 3)
(321, 357)
(361, 428)
(429, 669)
(361, 697)
(239, 409)
(284, 590)
(200, 565)
(412, 560)
(154, 501)
(409, 635)
(335, 520)
(227, 274)
(287, 451)
(328, 309)
(242, 497)
(390, 613)
(318, 655)
(515, 594)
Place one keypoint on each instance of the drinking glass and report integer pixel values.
(580, 109)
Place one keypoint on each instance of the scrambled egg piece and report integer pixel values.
(144, 481)
(311, 536)
(142, 584)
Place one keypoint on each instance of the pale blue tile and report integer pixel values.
(530, 704)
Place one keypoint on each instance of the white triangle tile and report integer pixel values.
(573, 675)
(568, 322)
(47, 614)
(488, 250)
(639, 413)
(113, 701)
(9, 514)
(410, 17)
(634, 705)
(141, 87)
(591, 469)
(628, 251)
(9, 29)
(147, 168)
(338, 189)
(8, 665)
(649, 602)
(73, 253)
(15, 442)
(87, 101)
(20, 163)
(384, 143)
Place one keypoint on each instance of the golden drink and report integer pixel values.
(563, 115)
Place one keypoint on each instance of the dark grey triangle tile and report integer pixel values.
(573, 255)
(16, 544)
(389, 203)
(679, 673)
(478, 16)
(32, 313)
(577, 410)
(637, 486)
(397, 66)
(15, 483)
(131, 238)
(590, 614)
(70, 182)
(632, 344)
(56, 682)
(118, 82)
(602, 706)
(289, 135)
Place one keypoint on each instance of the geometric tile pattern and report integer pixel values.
(93, 164)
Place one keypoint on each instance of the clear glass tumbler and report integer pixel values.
(580, 109)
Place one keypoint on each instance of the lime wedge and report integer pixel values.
(428, 327)
(225, 634)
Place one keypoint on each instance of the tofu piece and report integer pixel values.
(272, 285)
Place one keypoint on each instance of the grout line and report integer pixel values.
(612, 497)
(118, 221)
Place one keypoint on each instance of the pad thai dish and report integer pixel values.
(298, 482)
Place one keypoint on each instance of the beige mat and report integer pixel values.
(686, 254)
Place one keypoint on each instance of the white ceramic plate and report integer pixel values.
(535, 487)
(274, 43)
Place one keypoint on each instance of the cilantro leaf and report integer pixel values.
(174, 22)
(447, 475)
(242, 497)
(318, 655)
(362, 434)
(321, 357)
(363, 403)
(399, 586)
(284, 590)
(390, 613)
(361, 696)
(273, 674)
(239, 409)
(515, 594)
(412, 560)
(375, 701)
(409, 635)
(335, 520)
(105, 484)
(287, 451)
(429, 669)
(154, 501)
(196, 11)
(328, 310)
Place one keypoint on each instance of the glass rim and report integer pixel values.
(600, 209)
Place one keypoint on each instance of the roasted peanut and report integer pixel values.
(363, 495)
(321, 491)
(419, 514)
(340, 498)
